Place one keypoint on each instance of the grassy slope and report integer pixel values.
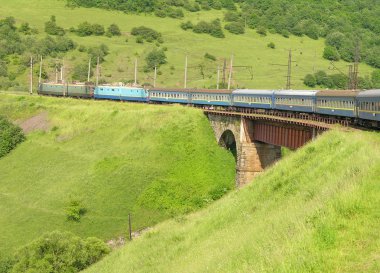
(318, 210)
(249, 49)
(116, 158)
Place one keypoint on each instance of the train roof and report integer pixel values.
(369, 93)
(337, 93)
(170, 89)
(216, 91)
(307, 93)
(252, 92)
(192, 90)
(117, 86)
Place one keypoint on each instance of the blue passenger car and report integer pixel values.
(369, 104)
(169, 95)
(299, 101)
(253, 98)
(211, 97)
(121, 93)
(338, 103)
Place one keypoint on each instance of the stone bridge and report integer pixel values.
(256, 143)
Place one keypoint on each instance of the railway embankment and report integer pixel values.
(109, 159)
(317, 210)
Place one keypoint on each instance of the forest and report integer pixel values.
(351, 28)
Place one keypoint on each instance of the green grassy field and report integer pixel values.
(115, 158)
(249, 49)
(318, 210)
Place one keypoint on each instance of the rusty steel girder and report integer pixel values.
(291, 137)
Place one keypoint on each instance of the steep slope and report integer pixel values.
(318, 210)
(113, 158)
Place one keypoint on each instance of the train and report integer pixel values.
(362, 107)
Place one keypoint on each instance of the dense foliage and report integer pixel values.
(340, 81)
(147, 34)
(155, 58)
(214, 28)
(10, 136)
(56, 252)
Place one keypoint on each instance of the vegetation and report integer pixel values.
(52, 28)
(248, 49)
(235, 27)
(155, 58)
(57, 252)
(317, 210)
(213, 28)
(147, 34)
(101, 161)
(10, 136)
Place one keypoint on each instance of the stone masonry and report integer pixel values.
(252, 157)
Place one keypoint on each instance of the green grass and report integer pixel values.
(318, 210)
(249, 49)
(115, 158)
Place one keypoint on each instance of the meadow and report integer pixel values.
(317, 210)
(154, 162)
(264, 67)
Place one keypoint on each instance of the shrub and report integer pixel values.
(87, 29)
(146, 33)
(271, 45)
(59, 252)
(331, 53)
(187, 25)
(10, 136)
(52, 28)
(235, 27)
(113, 30)
(310, 80)
(262, 31)
(75, 211)
(231, 16)
(210, 57)
(213, 28)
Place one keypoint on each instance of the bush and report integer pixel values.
(87, 29)
(231, 16)
(235, 27)
(113, 30)
(52, 28)
(59, 252)
(271, 45)
(80, 72)
(186, 25)
(331, 53)
(10, 136)
(310, 80)
(262, 31)
(75, 211)
(210, 57)
(213, 28)
(146, 33)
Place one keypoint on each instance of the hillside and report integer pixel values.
(318, 210)
(258, 66)
(113, 158)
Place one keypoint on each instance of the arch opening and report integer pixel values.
(228, 141)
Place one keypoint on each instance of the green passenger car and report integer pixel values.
(66, 90)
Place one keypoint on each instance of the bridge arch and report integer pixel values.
(228, 141)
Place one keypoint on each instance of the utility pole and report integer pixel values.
(356, 67)
(224, 72)
(350, 77)
(97, 72)
(230, 74)
(155, 76)
(40, 74)
(185, 80)
(62, 68)
(289, 75)
(135, 83)
(31, 75)
(89, 70)
(218, 76)
(56, 72)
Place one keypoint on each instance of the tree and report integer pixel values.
(10, 136)
(155, 58)
(375, 77)
(331, 53)
(113, 30)
(262, 31)
(310, 80)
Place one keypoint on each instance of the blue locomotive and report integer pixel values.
(360, 105)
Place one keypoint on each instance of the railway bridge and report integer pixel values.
(255, 138)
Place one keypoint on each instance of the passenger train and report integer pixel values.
(363, 107)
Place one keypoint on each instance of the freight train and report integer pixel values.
(362, 107)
